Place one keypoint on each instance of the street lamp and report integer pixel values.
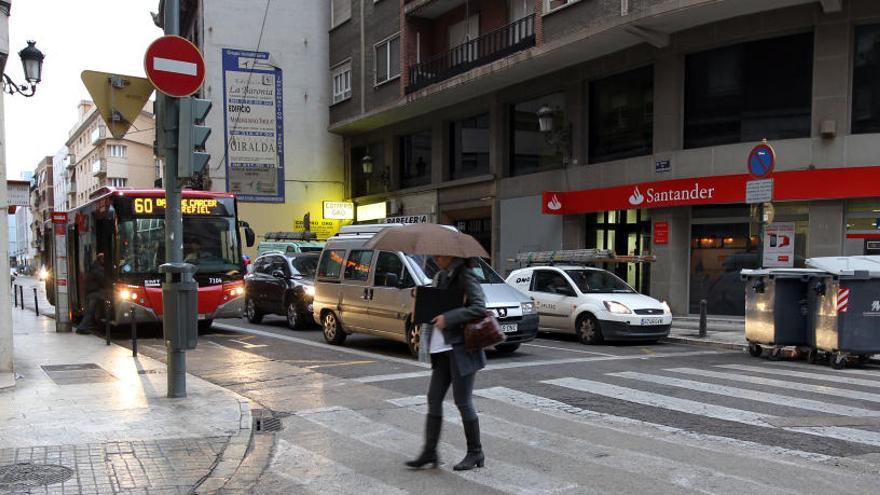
(367, 164)
(32, 63)
(381, 176)
(558, 137)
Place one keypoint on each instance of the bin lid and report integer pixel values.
(847, 265)
(781, 272)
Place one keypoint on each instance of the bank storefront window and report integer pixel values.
(626, 232)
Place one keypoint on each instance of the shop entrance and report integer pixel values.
(718, 253)
(626, 232)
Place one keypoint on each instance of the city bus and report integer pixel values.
(127, 226)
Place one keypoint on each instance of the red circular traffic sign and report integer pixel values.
(174, 66)
(762, 161)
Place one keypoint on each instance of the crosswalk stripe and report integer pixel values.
(690, 476)
(754, 395)
(656, 431)
(319, 474)
(501, 476)
(873, 372)
(710, 410)
(837, 378)
(392, 376)
(770, 382)
(554, 362)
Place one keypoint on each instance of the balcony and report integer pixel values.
(99, 167)
(70, 161)
(98, 134)
(514, 37)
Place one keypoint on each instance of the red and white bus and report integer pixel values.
(128, 227)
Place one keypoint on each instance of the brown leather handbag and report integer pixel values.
(482, 333)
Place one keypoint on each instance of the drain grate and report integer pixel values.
(75, 374)
(149, 372)
(25, 475)
(266, 420)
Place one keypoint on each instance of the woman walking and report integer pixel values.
(443, 345)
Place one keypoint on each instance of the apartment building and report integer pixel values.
(617, 124)
(42, 204)
(96, 159)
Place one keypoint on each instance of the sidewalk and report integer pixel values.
(720, 333)
(87, 418)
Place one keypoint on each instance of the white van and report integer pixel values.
(366, 291)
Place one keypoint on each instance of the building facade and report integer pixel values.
(619, 124)
(60, 180)
(42, 205)
(96, 159)
(266, 76)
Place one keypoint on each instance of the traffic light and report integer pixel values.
(191, 157)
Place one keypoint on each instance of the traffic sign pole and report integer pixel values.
(167, 126)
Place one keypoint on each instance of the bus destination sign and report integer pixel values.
(189, 206)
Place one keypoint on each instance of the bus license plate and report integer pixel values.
(646, 322)
(508, 328)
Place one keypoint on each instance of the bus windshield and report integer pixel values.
(209, 243)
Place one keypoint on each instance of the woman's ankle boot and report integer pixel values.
(432, 437)
(474, 457)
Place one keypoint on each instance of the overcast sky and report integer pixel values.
(102, 35)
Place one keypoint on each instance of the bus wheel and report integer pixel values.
(251, 312)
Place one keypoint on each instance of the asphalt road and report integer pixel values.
(557, 417)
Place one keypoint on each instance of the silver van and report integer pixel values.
(360, 290)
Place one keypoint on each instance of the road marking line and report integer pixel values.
(333, 365)
(579, 351)
(682, 474)
(319, 474)
(656, 431)
(247, 345)
(803, 387)
(800, 374)
(872, 372)
(321, 345)
(392, 376)
(175, 66)
(754, 395)
(711, 411)
(501, 476)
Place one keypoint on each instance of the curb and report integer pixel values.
(233, 454)
(706, 343)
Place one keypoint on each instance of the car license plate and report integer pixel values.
(651, 321)
(508, 328)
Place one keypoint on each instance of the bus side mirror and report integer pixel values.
(249, 236)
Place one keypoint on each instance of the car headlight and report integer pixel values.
(309, 290)
(528, 308)
(666, 309)
(617, 308)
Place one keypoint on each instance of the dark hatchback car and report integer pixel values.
(283, 285)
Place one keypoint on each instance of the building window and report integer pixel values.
(340, 11)
(415, 159)
(469, 147)
(341, 81)
(531, 150)
(550, 5)
(750, 91)
(866, 94)
(118, 182)
(365, 184)
(622, 115)
(117, 150)
(388, 59)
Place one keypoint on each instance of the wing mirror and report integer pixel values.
(249, 237)
(392, 280)
(278, 274)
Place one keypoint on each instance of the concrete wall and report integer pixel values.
(670, 273)
(7, 377)
(524, 228)
(296, 36)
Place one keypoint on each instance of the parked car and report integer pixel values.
(281, 284)
(290, 243)
(359, 290)
(592, 303)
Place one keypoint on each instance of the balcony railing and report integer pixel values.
(99, 167)
(516, 36)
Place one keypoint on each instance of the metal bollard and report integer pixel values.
(109, 308)
(703, 311)
(36, 303)
(134, 332)
(15, 294)
(21, 295)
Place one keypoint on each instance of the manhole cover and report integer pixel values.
(24, 475)
(75, 374)
(71, 367)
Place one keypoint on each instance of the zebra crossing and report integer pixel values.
(574, 435)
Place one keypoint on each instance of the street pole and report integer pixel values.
(176, 356)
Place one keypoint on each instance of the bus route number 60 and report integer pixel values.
(143, 205)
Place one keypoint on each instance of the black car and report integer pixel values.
(281, 284)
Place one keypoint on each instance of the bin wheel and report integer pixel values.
(811, 356)
(755, 350)
(775, 353)
(838, 360)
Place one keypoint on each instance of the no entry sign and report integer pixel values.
(174, 66)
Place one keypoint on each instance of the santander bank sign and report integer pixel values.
(653, 195)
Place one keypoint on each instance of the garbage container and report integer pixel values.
(844, 307)
(777, 309)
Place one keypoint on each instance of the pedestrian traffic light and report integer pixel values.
(191, 157)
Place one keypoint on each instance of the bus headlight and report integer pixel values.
(43, 274)
(127, 295)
